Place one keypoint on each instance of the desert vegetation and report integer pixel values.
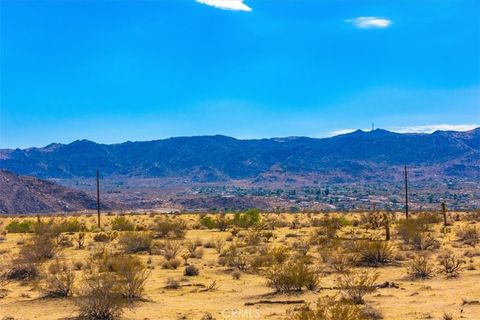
(245, 264)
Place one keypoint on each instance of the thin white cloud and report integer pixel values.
(370, 22)
(436, 127)
(416, 129)
(339, 132)
(236, 5)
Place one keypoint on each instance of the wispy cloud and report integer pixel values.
(416, 129)
(370, 22)
(236, 5)
(435, 127)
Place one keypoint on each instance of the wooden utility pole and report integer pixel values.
(98, 199)
(444, 211)
(406, 194)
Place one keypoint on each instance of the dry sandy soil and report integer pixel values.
(413, 299)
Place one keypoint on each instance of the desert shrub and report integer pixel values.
(355, 285)
(132, 275)
(420, 267)
(219, 245)
(171, 264)
(78, 265)
(59, 280)
(340, 262)
(371, 313)
(41, 245)
(169, 249)
(425, 241)
(236, 274)
(292, 276)
(410, 229)
(328, 308)
(71, 225)
(21, 271)
(15, 226)
(80, 240)
(234, 257)
(121, 223)
(469, 235)
(190, 271)
(167, 228)
(207, 222)
(101, 298)
(64, 241)
(450, 265)
(373, 253)
(101, 237)
(253, 238)
(222, 223)
(172, 283)
(247, 219)
(372, 220)
(279, 254)
(132, 242)
(327, 230)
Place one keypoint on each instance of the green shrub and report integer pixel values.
(72, 225)
(207, 222)
(292, 276)
(25, 226)
(247, 219)
(121, 223)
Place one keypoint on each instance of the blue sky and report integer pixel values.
(112, 71)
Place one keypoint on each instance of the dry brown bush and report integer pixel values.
(355, 285)
(328, 308)
(450, 264)
(134, 241)
(59, 280)
(420, 267)
(101, 298)
(170, 228)
(373, 253)
(469, 235)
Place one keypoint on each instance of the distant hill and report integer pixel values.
(21, 194)
(349, 157)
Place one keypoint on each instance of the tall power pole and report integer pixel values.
(406, 194)
(98, 199)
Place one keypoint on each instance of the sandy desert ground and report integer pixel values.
(215, 293)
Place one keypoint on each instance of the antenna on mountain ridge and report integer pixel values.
(373, 126)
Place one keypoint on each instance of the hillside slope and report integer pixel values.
(22, 194)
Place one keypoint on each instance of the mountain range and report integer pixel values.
(347, 157)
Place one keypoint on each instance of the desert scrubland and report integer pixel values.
(246, 266)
